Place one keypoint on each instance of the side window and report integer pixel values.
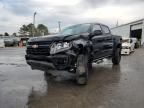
(105, 29)
(96, 27)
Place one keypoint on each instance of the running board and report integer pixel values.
(100, 60)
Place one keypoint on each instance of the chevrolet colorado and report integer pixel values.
(75, 48)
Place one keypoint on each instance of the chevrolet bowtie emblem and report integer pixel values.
(34, 46)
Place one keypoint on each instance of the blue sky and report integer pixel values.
(14, 13)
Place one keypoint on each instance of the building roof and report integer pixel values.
(128, 23)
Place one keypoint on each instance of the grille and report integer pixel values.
(43, 48)
(39, 51)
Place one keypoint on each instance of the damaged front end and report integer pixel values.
(58, 55)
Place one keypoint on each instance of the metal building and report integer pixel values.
(132, 29)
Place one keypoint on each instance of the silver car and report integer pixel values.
(10, 40)
(2, 44)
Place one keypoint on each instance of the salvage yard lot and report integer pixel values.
(108, 86)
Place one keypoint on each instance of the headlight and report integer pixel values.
(58, 47)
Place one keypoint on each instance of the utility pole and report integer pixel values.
(117, 23)
(34, 23)
(59, 24)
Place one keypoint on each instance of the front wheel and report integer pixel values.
(82, 70)
(116, 56)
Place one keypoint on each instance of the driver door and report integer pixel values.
(97, 42)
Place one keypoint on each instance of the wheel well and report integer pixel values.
(83, 49)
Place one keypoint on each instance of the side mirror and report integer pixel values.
(97, 32)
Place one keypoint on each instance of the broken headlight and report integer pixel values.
(58, 47)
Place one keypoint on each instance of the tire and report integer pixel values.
(82, 70)
(116, 56)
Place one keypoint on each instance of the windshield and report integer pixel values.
(126, 41)
(76, 29)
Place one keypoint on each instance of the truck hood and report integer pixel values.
(58, 38)
(126, 44)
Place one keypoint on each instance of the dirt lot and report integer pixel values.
(108, 87)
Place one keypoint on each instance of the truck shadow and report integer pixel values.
(62, 90)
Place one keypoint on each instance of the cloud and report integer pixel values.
(99, 3)
(9, 21)
(15, 13)
(18, 7)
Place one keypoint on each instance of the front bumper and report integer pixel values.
(58, 62)
(125, 51)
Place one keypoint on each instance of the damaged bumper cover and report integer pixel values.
(58, 61)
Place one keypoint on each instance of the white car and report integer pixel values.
(128, 45)
(2, 44)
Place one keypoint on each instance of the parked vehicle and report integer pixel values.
(2, 44)
(16, 40)
(8, 41)
(128, 45)
(75, 48)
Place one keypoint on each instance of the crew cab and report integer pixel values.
(75, 48)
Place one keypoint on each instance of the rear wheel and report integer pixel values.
(82, 70)
(116, 56)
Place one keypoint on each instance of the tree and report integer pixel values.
(27, 29)
(30, 30)
(14, 34)
(6, 34)
(23, 30)
(42, 29)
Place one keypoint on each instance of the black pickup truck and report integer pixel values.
(75, 48)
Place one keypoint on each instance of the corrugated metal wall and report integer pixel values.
(125, 30)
